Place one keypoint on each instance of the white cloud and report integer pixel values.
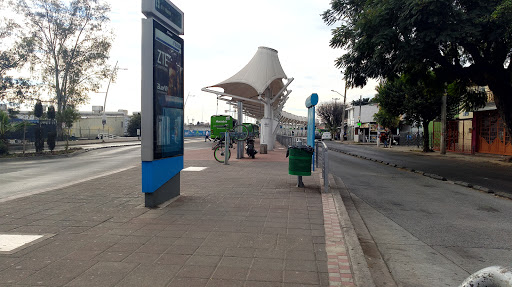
(220, 39)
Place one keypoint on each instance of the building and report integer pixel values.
(481, 131)
(361, 125)
(90, 125)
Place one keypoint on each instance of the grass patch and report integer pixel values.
(39, 154)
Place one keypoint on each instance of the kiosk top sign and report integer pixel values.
(166, 12)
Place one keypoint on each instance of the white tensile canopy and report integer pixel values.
(260, 87)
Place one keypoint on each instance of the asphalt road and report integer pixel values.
(24, 177)
(428, 232)
(483, 173)
(20, 178)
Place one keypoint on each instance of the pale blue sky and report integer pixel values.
(220, 38)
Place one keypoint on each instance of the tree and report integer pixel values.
(468, 41)
(15, 49)
(134, 124)
(386, 119)
(418, 98)
(72, 45)
(68, 116)
(330, 113)
(39, 139)
(51, 135)
(362, 102)
(6, 126)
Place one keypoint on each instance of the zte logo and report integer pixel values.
(163, 58)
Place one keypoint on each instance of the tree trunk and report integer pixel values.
(426, 138)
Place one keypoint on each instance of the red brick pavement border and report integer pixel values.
(338, 262)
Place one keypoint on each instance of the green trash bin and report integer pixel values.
(300, 160)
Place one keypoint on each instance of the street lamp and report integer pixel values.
(343, 111)
(104, 117)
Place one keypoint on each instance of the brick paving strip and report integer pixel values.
(338, 263)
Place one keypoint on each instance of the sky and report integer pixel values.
(220, 38)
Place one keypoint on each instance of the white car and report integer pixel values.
(326, 136)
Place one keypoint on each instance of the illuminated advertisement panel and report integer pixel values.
(167, 93)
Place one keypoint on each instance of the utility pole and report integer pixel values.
(342, 133)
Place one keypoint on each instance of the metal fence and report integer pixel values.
(410, 139)
(289, 140)
(322, 161)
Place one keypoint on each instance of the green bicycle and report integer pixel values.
(238, 133)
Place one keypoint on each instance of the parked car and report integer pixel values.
(326, 136)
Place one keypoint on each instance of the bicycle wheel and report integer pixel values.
(240, 132)
(218, 154)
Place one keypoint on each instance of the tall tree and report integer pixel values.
(6, 126)
(331, 113)
(39, 139)
(418, 98)
(468, 40)
(134, 124)
(72, 45)
(68, 116)
(15, 48)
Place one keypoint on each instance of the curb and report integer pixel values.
(75, 153)
(431, 175)
(347, 249)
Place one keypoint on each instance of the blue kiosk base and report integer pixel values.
(167, 191)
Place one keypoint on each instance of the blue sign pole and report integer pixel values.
(311, 102)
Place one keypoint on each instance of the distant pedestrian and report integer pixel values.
(384, 139)
(207, 136)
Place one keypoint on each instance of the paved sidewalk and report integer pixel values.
(243, 224)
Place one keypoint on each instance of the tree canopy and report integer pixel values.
(331, 115)
(72, 43)
(468, 41)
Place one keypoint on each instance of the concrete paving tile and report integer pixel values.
(171, 233)
(301, 277)
(196, 271)
(181, 249)
(103, 274)
(150, 275)
(172, 259)
(32, 264)
(240, 262)
(125, 247)
(116, 256)
(142, 258)
(262, 284)
(265, 275)
(188, 282)
(190, 241)
(239, 252)
(58, 273)
(301, 265)
(267, 264)
(300, 255)
(224, 283)
(211, 250)
(230, 273)
(324, 279)
(203, 260)
(135, 239)
(270, 253)
(13, 275)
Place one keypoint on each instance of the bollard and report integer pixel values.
(226, 149)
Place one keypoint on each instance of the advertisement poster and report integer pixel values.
(168, 93)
